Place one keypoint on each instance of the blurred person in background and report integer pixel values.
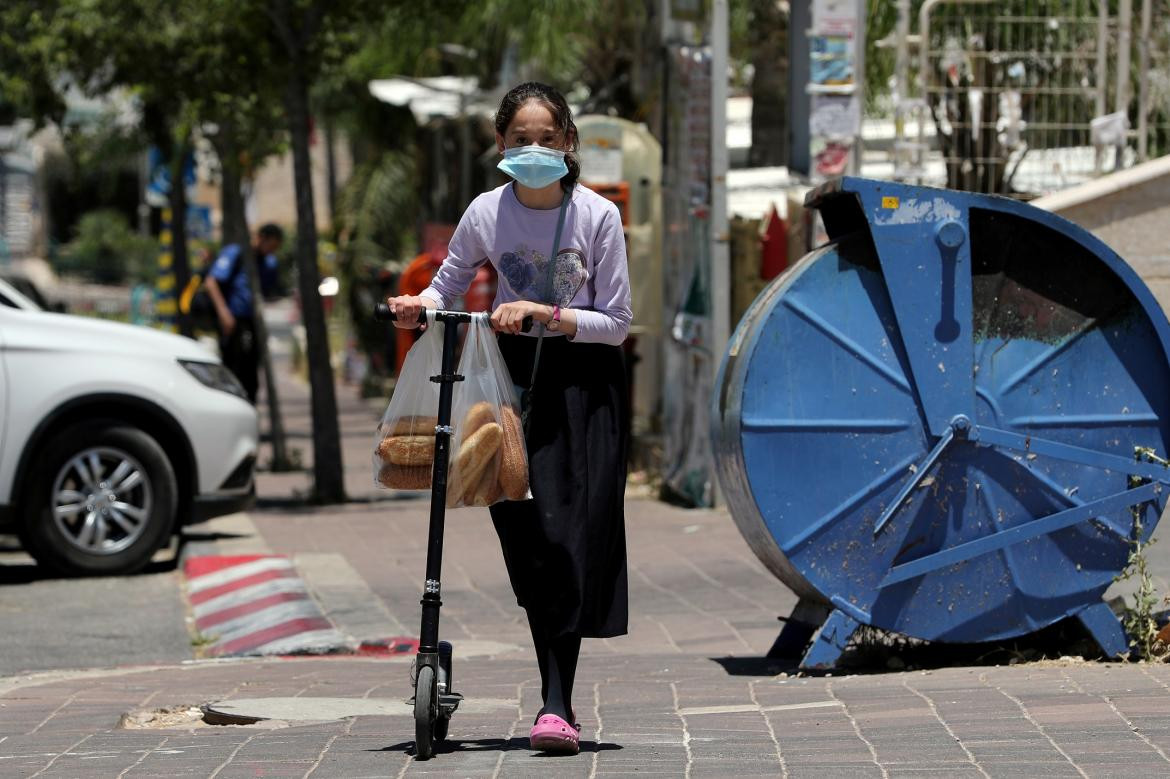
(415, 279)
(230, 288)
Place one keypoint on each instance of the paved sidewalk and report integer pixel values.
(671, 715)
(685, 694)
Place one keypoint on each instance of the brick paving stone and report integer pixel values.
(272, 770)
(835, 771)
(1028, 768)
(936, 769)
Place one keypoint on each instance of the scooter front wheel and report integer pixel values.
(426, 712)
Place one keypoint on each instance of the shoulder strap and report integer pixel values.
(550, 268)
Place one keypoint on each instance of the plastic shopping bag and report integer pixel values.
(490, 462)
(404, 449)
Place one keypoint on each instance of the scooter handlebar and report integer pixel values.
(382, 313)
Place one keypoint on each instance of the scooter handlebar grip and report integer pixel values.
(382, 313)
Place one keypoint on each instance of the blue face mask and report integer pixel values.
(534, 166)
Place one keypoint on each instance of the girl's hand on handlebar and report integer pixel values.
(509, 317)
(406, 310)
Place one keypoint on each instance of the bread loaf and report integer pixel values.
(405, 477)
(411, 425)
(514, 461)
(476, 452)
(476, 417)
(408, 449)
(489, 492)
(486, 490)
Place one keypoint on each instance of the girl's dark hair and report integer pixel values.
(556, 104)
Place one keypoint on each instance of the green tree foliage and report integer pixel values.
(105, 250)
(377, 208)
(27, 63)
(97, 167)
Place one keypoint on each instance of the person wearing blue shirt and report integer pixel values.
(230, 289)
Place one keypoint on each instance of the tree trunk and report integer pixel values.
(182, 265)
(331, 171)
(327, 467)
(650, 69)
(769, 45)
(235, 220)
(235, 230)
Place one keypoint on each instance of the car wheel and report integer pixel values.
(102, 500)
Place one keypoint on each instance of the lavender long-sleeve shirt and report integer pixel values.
(590, 273)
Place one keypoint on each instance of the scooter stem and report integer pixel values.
(429, 631)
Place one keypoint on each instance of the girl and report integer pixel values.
(565, 549)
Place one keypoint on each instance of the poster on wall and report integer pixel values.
(834, 116)
(835, 17)
(831, 64)
(835, 78)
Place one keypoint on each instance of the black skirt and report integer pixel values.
(566, 549)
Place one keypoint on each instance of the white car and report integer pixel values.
(112, 437)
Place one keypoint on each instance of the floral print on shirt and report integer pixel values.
(525, 270)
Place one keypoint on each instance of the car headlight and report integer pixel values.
(215, 376)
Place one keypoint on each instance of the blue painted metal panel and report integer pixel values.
(931, 422)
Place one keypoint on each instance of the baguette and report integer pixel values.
(405, 477)
(490, 494)
(514, 463)
(408, 449)
(486, 490)
(410, 425)
(476, 452)
(476, 417)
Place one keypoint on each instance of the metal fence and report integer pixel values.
(1033, 96)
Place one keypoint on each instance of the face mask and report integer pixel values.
(534, 166)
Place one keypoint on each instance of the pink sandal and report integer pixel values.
(552, 734)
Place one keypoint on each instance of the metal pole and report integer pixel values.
(720, 235)
(720, 251)
(1124, 16)
(1102, 74)
(799, 22)
(901, 83)
(924, 71)
(1102, 48)
(858, 86)
(1124, 26)
(1143, 83)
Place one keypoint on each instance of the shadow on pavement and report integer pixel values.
(303, 503)
(757, 666)
(493, 745)
(875, 651)
(191, 536)
(27, 573)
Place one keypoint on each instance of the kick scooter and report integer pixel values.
(434, 698)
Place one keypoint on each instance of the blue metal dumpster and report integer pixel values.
(947, 421)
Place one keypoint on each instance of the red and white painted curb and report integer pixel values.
(257, 605)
